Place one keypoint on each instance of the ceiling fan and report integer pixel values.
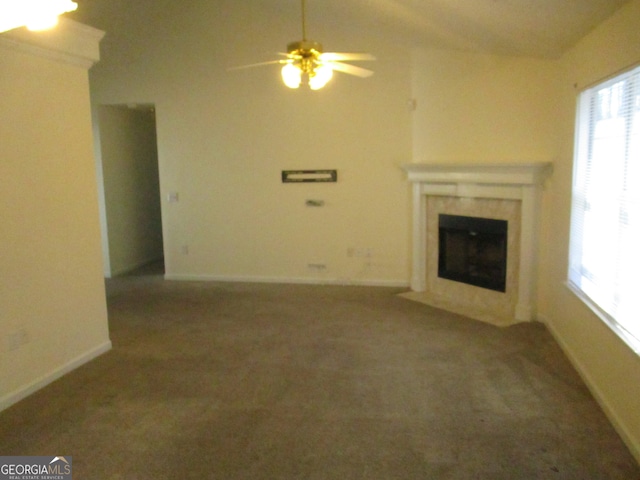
(306, 63)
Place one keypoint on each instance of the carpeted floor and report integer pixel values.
(263, 381)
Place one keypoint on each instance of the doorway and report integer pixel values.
(130, 187)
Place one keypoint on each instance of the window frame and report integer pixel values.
(584, 136)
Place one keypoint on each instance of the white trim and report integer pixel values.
(102, 209)
(43, 381)
(619, 425)
(510, 181)
(284, 280)
(132, 268)
(495, 173)
(627, 338)
(69, 42)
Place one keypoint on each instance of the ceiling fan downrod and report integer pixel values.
(306, 49)
(306, 63)
(304, 21)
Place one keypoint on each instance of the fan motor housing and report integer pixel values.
(305, 48)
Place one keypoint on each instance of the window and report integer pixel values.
(604, 256)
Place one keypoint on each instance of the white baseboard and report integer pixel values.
(23, 392)
(286, 280)
(632, 443)
(132, 267)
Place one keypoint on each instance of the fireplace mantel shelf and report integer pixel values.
(499, 173)
(521, 182)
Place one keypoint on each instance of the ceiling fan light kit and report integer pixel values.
(306, 64)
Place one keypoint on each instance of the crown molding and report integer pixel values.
(69, 42)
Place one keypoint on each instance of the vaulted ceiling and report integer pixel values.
(540, 28)
(543, 28)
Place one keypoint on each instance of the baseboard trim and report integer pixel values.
(132, 268)
(23, 392)
(286, 280)
(632, 443)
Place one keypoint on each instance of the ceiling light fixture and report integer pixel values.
(305, 58)
(34, 14)
(306, 64)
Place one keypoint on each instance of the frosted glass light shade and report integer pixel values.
(291, 75)
(323, 74)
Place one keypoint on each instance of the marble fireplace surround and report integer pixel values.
(504, 191)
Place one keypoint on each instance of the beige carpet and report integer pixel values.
(261, 381)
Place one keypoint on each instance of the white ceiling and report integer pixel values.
(540, 28)
(544, 28)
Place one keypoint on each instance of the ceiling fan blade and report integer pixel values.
(350, 69)
(290, 57)
(336, 56)
(272, 62)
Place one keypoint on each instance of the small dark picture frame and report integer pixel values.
(308, 176)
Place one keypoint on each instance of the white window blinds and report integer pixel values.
(604, 257)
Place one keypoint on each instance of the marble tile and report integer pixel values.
(476, 302)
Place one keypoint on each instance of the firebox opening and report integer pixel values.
(473, 250)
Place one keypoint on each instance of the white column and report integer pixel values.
(419, 270)
(525, 308)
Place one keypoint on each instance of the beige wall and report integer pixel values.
(224, 138)
(129, 161)
(486, 109)
(481, 108)
(610, 368)
(53, 314)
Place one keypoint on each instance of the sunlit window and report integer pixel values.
(604, 257)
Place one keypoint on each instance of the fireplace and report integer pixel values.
(473, 250)
(461, 268)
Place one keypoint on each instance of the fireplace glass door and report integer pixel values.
(473, 250)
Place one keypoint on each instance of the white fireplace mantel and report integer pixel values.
(513, 181)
